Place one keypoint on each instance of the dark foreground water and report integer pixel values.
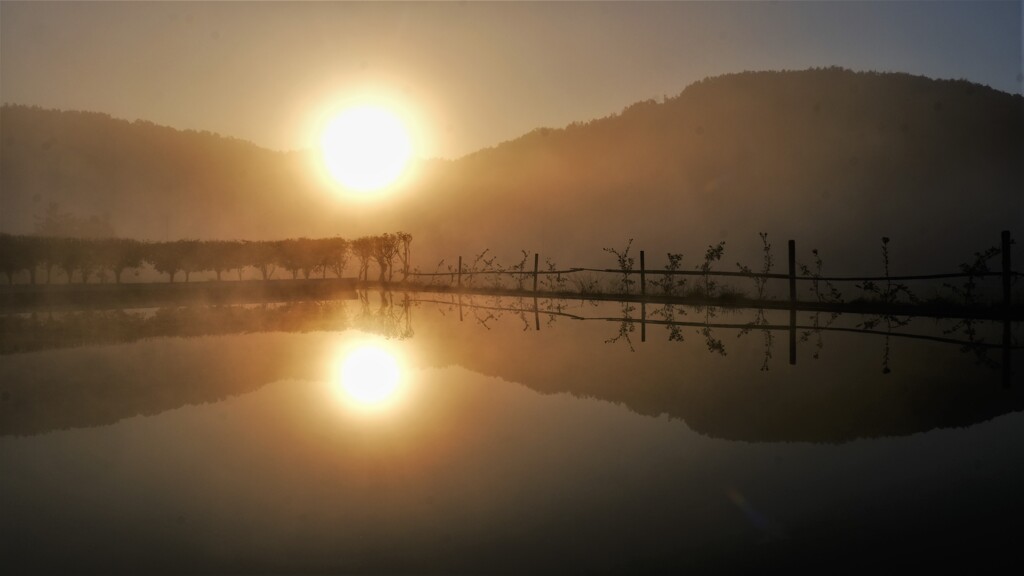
(245, 439)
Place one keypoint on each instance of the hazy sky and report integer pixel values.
(472, 75)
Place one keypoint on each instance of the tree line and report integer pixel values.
(107, 259)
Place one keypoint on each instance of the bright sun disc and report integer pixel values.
(370, 376)
(365, 148)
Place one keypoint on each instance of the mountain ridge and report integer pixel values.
(813, 154)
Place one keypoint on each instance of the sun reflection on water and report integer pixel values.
(370, 377)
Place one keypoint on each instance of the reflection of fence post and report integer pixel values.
(792, 301)
(643, 276)
(643, 318)
(460, 273)
(1006, 269)
(536, 263)
(460, 306)
(792, 273)
(1007, 371)
(1006, 308)
(536, 313)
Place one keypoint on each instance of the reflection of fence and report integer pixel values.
(1006, 345)
(1006, 274)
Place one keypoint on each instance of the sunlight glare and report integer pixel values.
(365, 148)
(370, 376)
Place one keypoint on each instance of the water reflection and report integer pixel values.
(521, 437)
(856, 376)
(370, 376)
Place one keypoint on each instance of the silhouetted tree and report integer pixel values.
(404, 253)
(234, 256)
(49, 255)
(362, 247)
(290, 256)
(263, 256)
(216, 255)
(70, 257)
(385, 248)
(321, 248)
(117, 255)
(338, 251)
(17, 254)
(165, 257)
(191, 257)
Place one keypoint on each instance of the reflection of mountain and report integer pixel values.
(839, 398)
(833, 158)
(43, 331)
(101, 385)
(137, 372)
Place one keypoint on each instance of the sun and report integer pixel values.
(365, 148)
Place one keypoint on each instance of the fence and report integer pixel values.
(1006, 274)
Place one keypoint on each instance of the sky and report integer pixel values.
(465, 75)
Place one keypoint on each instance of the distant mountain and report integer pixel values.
(150, 181)
(832, 158)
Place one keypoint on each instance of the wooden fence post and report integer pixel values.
(792, 301)
(460, 273)
(536, 264)
(643, 276)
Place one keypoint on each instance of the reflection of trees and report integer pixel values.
(389, 315)
(816, 330)
(626, 327)
(890, 322)
(47, 330)
(668, 313)
(714, 345)
(387, 319)
(760, 320)
(975, 344)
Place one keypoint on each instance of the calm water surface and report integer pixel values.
(244, 439)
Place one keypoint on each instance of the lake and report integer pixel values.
(442, 433)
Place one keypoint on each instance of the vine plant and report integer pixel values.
(892, 290)
(761, 282)
(712, 254)
(625, 262)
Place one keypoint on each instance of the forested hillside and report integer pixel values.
(832, 158)
(150, 182)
